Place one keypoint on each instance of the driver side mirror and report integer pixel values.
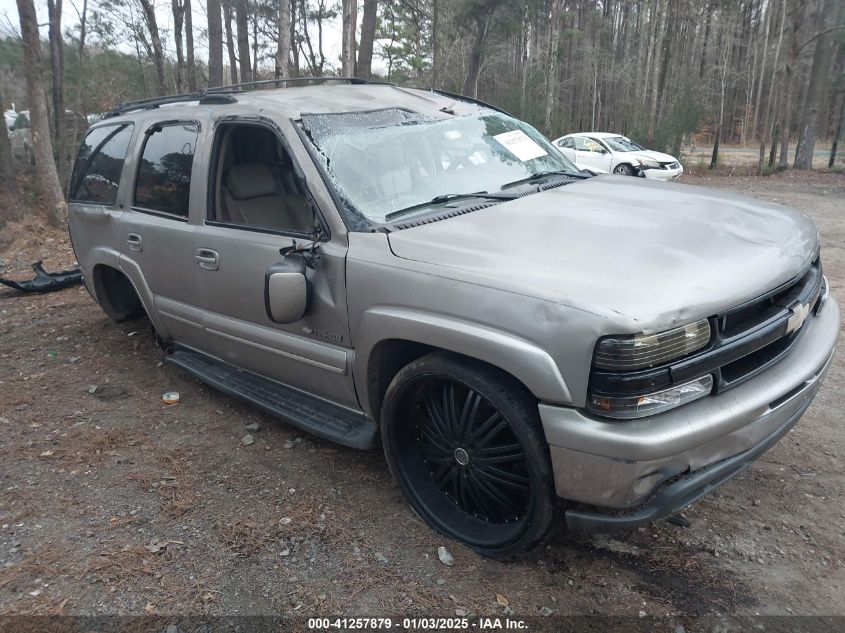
(286, 289)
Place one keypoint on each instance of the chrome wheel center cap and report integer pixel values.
(461, 456)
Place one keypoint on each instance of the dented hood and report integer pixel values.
(647, 254)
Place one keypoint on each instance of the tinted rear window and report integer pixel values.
(164, 176)
(96, 174)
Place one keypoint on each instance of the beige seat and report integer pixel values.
(253, 197)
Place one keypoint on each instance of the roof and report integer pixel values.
(596, 134)
(293, 102)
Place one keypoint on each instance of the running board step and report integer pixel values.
(305, 412)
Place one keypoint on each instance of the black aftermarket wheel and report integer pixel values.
(465, 444)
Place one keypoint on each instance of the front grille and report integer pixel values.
(757, 318)
(746, 340)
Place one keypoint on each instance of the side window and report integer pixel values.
(580, 144)
(21, 122)
(164, 174)
(593, 146)
(255, 183)
(99, 163)
(567, 143)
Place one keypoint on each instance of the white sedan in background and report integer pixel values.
(605, 152)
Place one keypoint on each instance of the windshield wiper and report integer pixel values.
(540, 175)
(449, 197)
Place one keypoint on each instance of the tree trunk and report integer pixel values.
(703, 65)
(158, 52)
(215, 44)
(658, 56)
(283, 50)
(435, 42)
(254, 20)
(769, 118)
(347, 54)
(294, 44)
(553, 49)
(190, 62)
(230, 41)
(57, 74)
(817, 90)
(791, 67)
(178, 19)
(7, 166)
(838, 134)
(528, 51)
(42, 148)
(482, 23)
(57, 68)
(80, 85)
(769, 10)
(724, 60)
(368, 33)
(242, 24)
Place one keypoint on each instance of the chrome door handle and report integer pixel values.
(135, 242)
(207, 259)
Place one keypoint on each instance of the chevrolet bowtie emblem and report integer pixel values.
(799, 314)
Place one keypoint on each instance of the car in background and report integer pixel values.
(20, 133)
(9, 117)
(618, 154)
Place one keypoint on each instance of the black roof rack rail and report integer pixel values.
(460, 97)
(249, 85)
(153, 102)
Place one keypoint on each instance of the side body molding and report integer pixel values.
(533, 366)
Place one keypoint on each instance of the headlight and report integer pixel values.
(647, 350)
(647, 162)
(629, 407)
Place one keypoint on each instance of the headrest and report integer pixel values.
(250, 180)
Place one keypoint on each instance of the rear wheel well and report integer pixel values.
(390, 356)
(116, 294)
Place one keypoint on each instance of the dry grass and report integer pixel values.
(82, 446)
(16, 505)
(123, 565)
(176, 488)
(29, 239)
(44, 562)
(246, 536)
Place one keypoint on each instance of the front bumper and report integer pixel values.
(663, 174)
(624, 468)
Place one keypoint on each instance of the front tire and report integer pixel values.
(465, 444)
(623, 170)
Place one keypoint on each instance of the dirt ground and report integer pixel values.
(114, 503)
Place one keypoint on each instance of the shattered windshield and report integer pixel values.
(386, 161)
(622, 144)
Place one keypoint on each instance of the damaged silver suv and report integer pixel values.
(532, 346)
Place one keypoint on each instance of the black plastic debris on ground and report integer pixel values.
(44, 281)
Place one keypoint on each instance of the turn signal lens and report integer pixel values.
(631, 407)
(648, 350)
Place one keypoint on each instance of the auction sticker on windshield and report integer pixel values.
(520, 145)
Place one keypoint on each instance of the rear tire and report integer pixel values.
(465, 444)
(623, 170)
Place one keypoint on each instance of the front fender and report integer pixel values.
(526, 362)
